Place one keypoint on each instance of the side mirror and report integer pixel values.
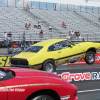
(70, 46)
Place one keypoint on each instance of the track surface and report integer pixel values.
(86, 90)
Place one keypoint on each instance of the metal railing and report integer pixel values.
(35, 37)
(50, 6)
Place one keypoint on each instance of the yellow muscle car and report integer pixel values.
(48, 54)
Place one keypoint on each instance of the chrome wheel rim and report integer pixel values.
(91, 58)
(49, 67)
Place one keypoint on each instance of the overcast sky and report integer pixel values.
(73, 2)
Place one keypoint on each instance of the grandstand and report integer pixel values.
(14, 20)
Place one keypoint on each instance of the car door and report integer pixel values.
(66, 49)
(52, 52)
(3, 92)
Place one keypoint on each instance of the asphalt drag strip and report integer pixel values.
(87, 89)
(84, 85)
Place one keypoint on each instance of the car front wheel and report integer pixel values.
(90, 57)
(49, 66)
(43, 97)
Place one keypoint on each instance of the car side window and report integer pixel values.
(51, 48)
(58, 45)
(66, 44)
(62, 45)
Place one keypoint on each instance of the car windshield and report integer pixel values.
(6, 74)
(33, 49)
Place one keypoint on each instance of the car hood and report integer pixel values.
(32, 77)
(24, 55)
(25, 72)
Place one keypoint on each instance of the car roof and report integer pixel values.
(48, 42)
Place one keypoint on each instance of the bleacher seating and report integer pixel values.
(14, 20)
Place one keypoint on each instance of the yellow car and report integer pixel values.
(48, 54)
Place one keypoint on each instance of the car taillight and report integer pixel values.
(26, 63)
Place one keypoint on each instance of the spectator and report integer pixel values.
(24, 37)
(39, 26)
(41, 34)
(64, 25)
(50, 28)
(78, 33)
(26, 26)
(10, 38)
(83, 40)
(27, 7)
(69, 33)
(29, 26)
(5, 36)
(99, 18)
(72, 33)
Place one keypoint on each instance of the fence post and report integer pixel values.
(60, 35)
(92, 9)
(15, 3)
(23, 3)
(87, 37)
(95, 37)
(19, 37)
(86, 9)
(67, 7)
(30, 36)
(60, 6)
(80, 8)
(51, 36)
(74, 7)
(7, 3)
(39, 5)
(46, 5)
(31, 5)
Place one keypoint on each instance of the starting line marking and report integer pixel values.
(86, 91)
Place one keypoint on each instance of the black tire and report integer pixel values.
(49, 66)
(43, 97)
(90, 57)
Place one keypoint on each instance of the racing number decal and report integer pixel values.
(4, 61)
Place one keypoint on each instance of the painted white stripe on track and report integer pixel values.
(86, 91)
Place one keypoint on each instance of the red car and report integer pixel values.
(29, 84)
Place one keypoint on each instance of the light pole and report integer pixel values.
(86, 5)
(23, 3)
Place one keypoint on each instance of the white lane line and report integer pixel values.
(85, 91)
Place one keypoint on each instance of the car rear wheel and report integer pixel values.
(90, 57)
(43, 97)
(49, 66)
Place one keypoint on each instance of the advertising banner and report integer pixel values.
(4, 61)
(80, 75)
(97, 60)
